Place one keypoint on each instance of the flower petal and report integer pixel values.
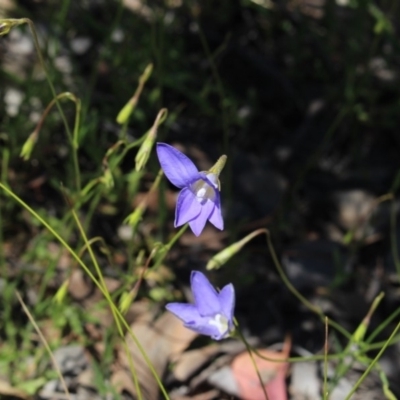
(188, 313)
(205, 296)
(197, 224)
(178, 168)
(187, 207)
(227, 303)
(216, 215)
(204, 327)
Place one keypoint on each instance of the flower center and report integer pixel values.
(202, 190)
(221, 323)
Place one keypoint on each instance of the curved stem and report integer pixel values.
(53, 91)
(169, 245)
(177, 236)
(296, 293)
(5, 26)
(73, 139)
(253, 361)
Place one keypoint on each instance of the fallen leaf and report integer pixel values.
(210, 395)
(190, 361)
(273, 374)
(162, 340)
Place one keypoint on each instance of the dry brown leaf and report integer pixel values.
(79, 288)
(210, 395)
(86, 378)
(273, 374)
(122, 380)
(51, 333)
(190, 361)
(162, 341)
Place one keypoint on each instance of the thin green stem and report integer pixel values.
(378, 345)
(372, 363)
(156, 37)
(177, 236)
(96, 63)
(4, 174)
(98, 284)
(42, 63)
(45, 344)
(53, 91)
(297, 294)
(313, 159)
(2, 256)
(75, 144)
(382, 326)
(73, 139)
(253, 361)
(325, 385)
(92, 208)
(220, 88)
(109, 300)
(223, 107)
(164, 251)
(393, 237)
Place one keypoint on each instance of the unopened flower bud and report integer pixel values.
(7, 24)
(107, 179)
(61, 292)
(124, 115)
(28, 146)
(136, 216)
(145, 149)
(126, 301)
(223, 256)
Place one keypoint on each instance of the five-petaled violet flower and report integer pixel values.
(199, 200)
(212, 312)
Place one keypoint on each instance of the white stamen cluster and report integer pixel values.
(203, 191)
(221, 323)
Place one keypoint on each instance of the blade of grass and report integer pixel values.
(373, 362)
(92, 277)
(45, 344)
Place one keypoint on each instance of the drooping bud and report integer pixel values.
(61, 292)
(28, 146)
(223, 256)
(126, 301)
(124, 115)
(7, 24)
(136, 215)
(359, 333)
(5, 27)
(145, 149)
(107, 179)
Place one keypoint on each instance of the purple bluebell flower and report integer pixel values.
(199, 200)
(212, 312)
